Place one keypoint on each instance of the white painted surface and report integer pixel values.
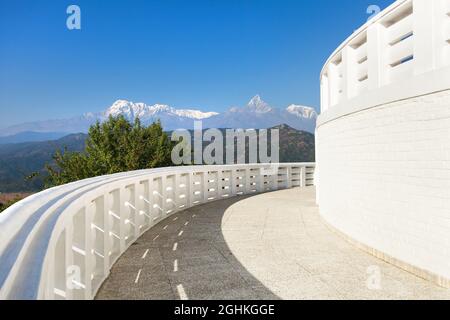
(82, 228)
(383, 178)
(401, 53)
(383, 148)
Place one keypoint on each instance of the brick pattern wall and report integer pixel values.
(383, 177)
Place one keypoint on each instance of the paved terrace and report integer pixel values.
(269, 246)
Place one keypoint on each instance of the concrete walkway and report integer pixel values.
(269, 246)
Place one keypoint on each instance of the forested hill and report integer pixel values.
(20, 160)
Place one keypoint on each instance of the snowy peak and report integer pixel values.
(195, 114)
(132, 110)
(256, 114)
(258, 105)
(302, 111)
(158, 109)
(127, 108)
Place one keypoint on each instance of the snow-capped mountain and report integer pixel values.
(133, 110)
(256, 114)
(302, 111)
(258, 105)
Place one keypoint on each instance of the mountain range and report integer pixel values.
(20, 160)
(257, 114)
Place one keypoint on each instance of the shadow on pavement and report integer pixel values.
(185, 257)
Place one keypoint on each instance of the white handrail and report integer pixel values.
(389, 58)
(62, 242)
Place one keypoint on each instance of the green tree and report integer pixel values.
(115, 145)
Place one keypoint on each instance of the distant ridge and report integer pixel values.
(257, 114)
(30, 136)
(18, 161)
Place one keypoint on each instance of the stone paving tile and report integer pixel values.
(155, 291)
(269, 246)
(304, 288)
(185, 261)
(230, 294)
(200, 288)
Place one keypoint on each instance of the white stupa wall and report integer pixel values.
(383, 138)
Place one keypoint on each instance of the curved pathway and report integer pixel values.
(269, 246)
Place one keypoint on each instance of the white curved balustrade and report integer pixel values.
(62, 242)
(402, 52)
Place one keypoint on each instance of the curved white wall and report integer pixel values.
(62, 242)
(384, 179)
(383, 138)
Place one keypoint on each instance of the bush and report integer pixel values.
(7, 204)
(116, 145)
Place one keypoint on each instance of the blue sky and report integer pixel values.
(206, 54)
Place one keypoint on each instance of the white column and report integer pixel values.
(219, 183)
(333, 80)
(69, 260)
(260, 179)
(89, 245)
(274, 180)
(289, 177)
(163, 195)
(176, 192)
(233, 182)
(441, 16)
(376, 51)
(189, 189)
(247, 181)
(50, 285)
(205, 186)
(303, 177)
(142, 206)
(138, 219)
(107, 227)
(349, 72)
(425, 37)
(122, 215)
(324, 93)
